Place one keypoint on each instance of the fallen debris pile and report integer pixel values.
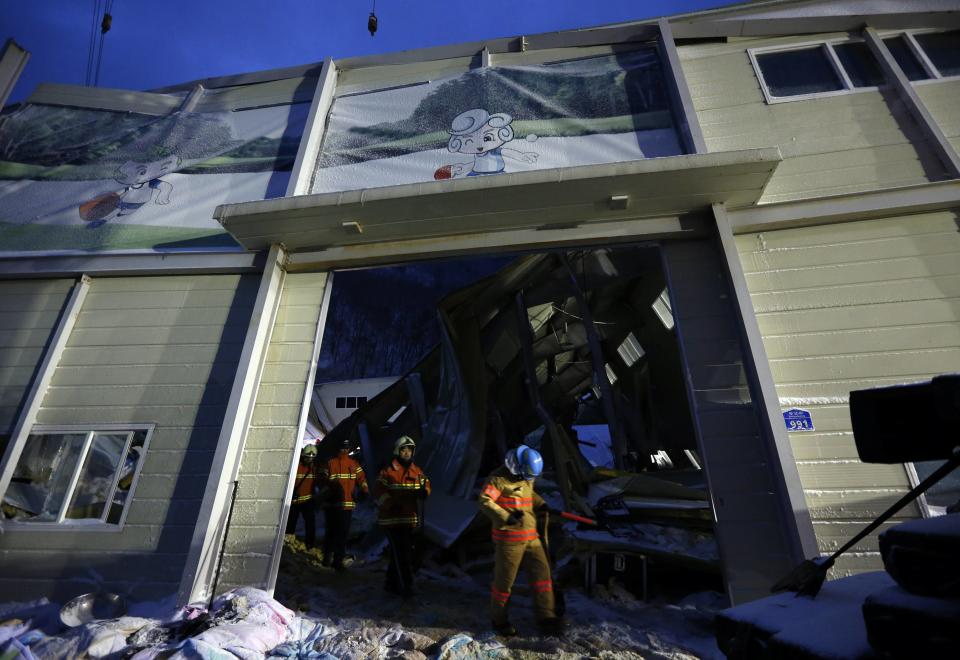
(348, 616)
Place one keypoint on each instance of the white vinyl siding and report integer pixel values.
(29, 310)
(145, 350)
(844, 307)
(272, 442)
(833, 145)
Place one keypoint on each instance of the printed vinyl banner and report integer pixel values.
(89, 180)
(493, 120)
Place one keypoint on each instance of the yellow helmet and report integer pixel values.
(309, 451)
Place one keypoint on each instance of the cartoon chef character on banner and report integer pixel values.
(141, 181)
(482, 135)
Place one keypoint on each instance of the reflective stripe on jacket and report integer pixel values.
(303, 486)
(397, 490)
(342, 474)
(503, 493)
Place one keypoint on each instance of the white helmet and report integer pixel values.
(403, 441)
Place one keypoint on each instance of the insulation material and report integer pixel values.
(495, 120)
(81, 179)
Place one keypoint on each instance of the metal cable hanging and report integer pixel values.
(95, 48)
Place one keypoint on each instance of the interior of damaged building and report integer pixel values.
(573, 353)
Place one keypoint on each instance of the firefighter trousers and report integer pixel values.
(508, 559)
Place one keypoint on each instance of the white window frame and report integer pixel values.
(827, 46)
(921, 55)
(64, 524)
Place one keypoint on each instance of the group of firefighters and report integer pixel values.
(507, 498)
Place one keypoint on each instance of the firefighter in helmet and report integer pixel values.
(400, 487)
(508, 499)
(340, 476)
(304, 503)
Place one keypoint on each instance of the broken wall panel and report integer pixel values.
(272, 444)
(111, 372)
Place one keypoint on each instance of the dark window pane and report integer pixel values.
(906, 59)
(943, 49)
(125, 478)
(795, 72)
(947, 491)
(351, 402)
(860, 65)
(341, 402)
(361, 400)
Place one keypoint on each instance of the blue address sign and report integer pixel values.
(797, 419)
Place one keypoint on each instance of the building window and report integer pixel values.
(75, 476)
(341, 402)
(905, 57)
(942, 51)
(799, 72)
(859, 64)
(815, 70)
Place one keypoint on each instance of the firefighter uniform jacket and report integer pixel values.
(397, 490)
(303, 486)
(341, 475)
(503, 493)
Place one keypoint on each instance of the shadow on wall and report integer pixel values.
(145, 560)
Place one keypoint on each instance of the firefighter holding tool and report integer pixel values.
(508, 499)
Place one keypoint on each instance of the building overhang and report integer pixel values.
(543, 200)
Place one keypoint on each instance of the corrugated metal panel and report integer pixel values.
(29, 309)
(839, 144)
(159, 350)
(272, 436)
(850, 306)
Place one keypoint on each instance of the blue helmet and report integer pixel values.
(524, 462)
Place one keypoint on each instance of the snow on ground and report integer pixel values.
(349, 616)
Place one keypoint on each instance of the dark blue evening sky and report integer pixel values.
(163, 42)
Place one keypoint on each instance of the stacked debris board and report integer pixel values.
(844, 307)
(272, 444)
(29, 310)
(838, 144)
(144, 350)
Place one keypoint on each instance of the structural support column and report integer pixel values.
(684, 111)
(899, 81)
(12, 61)
(306, 161)
(802, 539)
(31, 406)
(200, 566)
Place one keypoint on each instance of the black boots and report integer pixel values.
(505, 629)
(552, 627)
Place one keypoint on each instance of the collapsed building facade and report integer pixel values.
(721, 223)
